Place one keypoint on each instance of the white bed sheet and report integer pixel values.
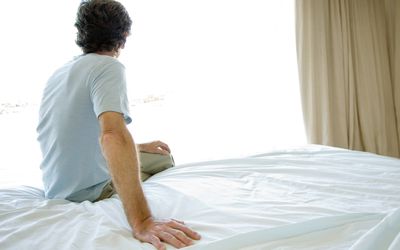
(311, 197)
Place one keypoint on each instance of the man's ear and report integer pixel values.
(122, 46)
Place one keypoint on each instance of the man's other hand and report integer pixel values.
(155, 147)
(172, 232)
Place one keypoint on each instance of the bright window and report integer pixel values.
(212, 78)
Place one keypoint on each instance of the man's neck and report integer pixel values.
(108, 53)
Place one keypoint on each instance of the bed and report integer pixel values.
(311, 197)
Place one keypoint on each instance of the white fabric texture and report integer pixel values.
(312, 197)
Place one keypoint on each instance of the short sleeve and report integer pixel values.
(108, 90)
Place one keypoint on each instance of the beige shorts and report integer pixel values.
(150, 164)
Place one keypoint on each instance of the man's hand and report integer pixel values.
(172, 232)
(155, 147)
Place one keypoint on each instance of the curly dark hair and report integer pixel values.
(102, 25)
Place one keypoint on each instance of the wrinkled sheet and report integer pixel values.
(310, 197)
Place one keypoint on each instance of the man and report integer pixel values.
(88, 152)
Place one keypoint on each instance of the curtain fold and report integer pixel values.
(348, 57)
(393, 21)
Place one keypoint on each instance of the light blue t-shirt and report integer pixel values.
(73, 166)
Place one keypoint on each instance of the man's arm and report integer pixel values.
(120, 153)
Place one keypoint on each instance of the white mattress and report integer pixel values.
(311, 197)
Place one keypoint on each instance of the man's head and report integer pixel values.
(103, 26)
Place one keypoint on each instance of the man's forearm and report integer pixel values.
(120, 152)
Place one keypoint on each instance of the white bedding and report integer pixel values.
(311, 197)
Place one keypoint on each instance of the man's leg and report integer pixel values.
(151, 164)
(108, 191)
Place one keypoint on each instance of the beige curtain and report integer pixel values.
(349, 68)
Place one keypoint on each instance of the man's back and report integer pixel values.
(73, 165)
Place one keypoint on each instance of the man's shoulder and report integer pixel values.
(88, 66)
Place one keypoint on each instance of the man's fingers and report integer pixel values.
(189, 232)
(163, 146)
(152, 239)
(156, 243)
(162, 151)
(158, 147)
(179, 221)
(180, 236)
(170, 239)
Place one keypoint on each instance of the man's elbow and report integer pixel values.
(113, 138)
